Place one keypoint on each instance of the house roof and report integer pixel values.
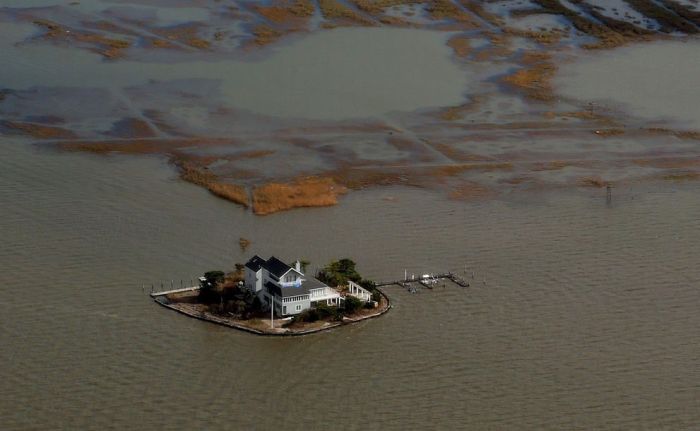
(286, 292)
(313, 283)
(255, 263)
(276, 267)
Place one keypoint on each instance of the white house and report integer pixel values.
(273, 281)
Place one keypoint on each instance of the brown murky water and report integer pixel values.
(581, 315)
(586, 319)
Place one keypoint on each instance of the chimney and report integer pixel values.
(297, 266)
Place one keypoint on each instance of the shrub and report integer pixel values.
(352, 304)
(368, 284)
(310, 315)
(326, 311)
(376, 296)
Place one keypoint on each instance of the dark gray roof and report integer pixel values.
(287, 291)
(313, 283)
(255, 263)
(276, 266)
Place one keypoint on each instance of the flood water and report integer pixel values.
(580, 315)
(321, 76)
(657, 81)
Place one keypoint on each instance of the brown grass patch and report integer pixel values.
(252, 154)
(184, 34)
(534, 81)
(554, 165)
(681, 134)
(378, 6)
(446, 9)
(544, 37)
(286, 12)
(332, 9)
(476, 7)
(493, 53)
(105, 46)
(592, 182)
(688, 135)
(106, 147)
(264, 35)
(196, 175)
(303, 192)
(684, 176)
(452, 170)
(394, 21)
(232, 192)
(460, 45)
(606, 133)
(161, 43)
(37, 131)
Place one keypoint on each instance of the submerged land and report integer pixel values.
(270, 104)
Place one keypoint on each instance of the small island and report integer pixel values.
(270, 297)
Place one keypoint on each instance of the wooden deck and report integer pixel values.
(426, 282)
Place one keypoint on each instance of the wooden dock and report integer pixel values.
(426, 282)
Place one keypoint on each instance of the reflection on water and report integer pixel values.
(584, 321)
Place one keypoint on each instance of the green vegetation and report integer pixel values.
(212, 279)
(352, 304)
(339, 272)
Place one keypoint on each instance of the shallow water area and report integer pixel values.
(318, 76)
(657, 81)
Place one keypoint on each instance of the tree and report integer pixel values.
(304, 264)
(368, 284)
(213, 279)
(339, 272)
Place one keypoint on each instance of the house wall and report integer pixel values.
(266, 276)
(253, 280)
(292, 306)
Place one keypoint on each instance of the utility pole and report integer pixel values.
(272, 312)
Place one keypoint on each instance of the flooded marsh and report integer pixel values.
(142, 141)
(451, 80)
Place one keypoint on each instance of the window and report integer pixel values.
(298, 307)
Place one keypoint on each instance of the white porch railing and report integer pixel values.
(322, 293)
(359, 292)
